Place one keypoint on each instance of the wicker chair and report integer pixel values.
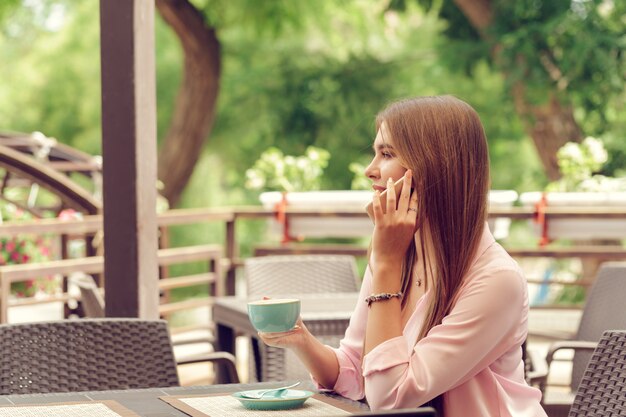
(602, 390)
(86, 355)
(296, 274)
(93, 306)
(604, 310)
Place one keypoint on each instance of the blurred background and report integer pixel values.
(281, 95)
(237, 77)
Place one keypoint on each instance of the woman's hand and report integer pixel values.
(320, 360)
(394, 229)
(293, 339)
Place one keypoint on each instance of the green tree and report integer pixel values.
(197, 24)
(560, 59)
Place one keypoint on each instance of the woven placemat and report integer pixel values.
(105, 408)
(219, 405)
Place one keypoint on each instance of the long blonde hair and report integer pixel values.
(442, 140)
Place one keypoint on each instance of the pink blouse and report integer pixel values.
(474, 356)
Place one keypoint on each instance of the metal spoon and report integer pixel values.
(259, 394)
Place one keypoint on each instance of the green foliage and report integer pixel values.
(579, 164)
(359, 181)
(574, 48)
(302, 85)
(51, 77)
(6, 8)
(275, 171)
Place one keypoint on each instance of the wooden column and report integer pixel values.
(129, 153)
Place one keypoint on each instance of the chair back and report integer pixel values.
(602, 390)
(604, 310)
(291, 275)
(91, 299)
(85, 355)
(299, 274)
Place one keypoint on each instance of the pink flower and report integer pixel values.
(15, 257)
(68, 214)
(10, 246)
(25, 258)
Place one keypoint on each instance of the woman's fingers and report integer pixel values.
(377, 207)
(278, 335)
(405, 194)
(391, 196)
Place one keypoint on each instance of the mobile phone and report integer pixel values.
(383, 198)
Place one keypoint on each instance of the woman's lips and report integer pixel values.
(379, 188)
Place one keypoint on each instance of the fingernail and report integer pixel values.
(389, 180)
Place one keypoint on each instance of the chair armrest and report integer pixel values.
(194, 341)
(570, 344)
(541, 366)
(222, 358)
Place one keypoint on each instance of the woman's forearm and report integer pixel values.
(320, 360)
(383, 320)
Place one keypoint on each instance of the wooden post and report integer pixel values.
(129, 155)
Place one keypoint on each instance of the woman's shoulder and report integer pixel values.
(497, 268)
(495, 257)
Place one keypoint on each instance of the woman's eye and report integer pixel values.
(387, 155)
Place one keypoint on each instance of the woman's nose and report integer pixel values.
(371, 171)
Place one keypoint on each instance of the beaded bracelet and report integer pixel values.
(382, 296)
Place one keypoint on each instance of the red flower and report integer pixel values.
(10, 246)
(15, 257)
(25, 258)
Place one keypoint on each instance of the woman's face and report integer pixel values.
(385, 164)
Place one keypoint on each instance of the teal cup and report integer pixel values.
(274, 315)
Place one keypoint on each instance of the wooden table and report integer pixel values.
(326, 315)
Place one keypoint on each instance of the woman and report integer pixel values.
(445, 308)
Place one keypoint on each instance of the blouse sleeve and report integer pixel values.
(482, 326)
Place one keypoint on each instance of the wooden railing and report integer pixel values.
(223, 277)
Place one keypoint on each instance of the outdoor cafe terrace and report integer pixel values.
(205, 310)
(109, 292)
(223, 261)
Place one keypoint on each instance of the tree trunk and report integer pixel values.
(195, 108)
(550, 124)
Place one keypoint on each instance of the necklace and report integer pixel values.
(419, 282)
